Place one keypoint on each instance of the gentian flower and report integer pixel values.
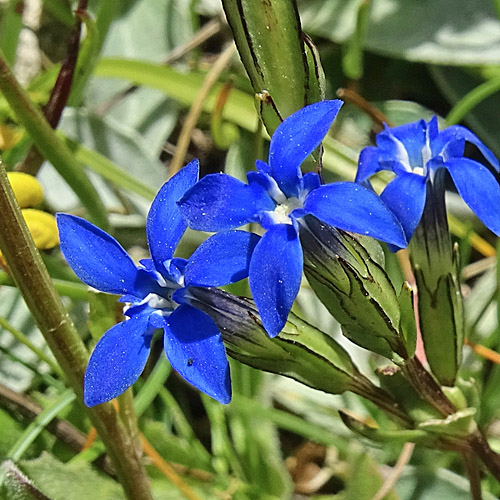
(277, 197)
(415, 152)
(158, 294)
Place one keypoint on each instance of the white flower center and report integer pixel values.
(281, 214)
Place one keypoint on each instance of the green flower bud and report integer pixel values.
(281, 62)
(300, 351)
(346, 272)
(437, 273)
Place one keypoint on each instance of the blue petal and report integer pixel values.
(311, 181)
(295, 139)
(165, 225)
(263, 167)
(219, 202)
(174, 269)
(457, 132)
(404, 143)
(193, 345)
(354, 208)
(222, 259)
(275, 275)
(96, 257)
(268, 184)
(479, 189)
(117, 361)
(405, 196)
(368, 164)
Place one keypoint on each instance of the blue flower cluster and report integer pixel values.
(158, 296)
(414, 152)
(277, 197)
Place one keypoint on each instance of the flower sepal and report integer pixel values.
(441, 323)
(436, 265)
(347, 275)
(300, 351)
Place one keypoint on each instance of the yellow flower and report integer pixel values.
(42, 225)
(27, 189)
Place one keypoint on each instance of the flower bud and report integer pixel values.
(346, 273)
(436, 268)
(300, 351)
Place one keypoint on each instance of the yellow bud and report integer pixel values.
(27, 189)
(42, 227)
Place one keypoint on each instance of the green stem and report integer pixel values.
(364, 388)
(49, 145)
(31, 277)
(473, 473)
(472, 99)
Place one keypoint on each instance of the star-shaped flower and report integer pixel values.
(158, 293)
(277, 197)
(414, 152)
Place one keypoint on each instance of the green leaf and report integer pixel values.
(70, 481)
(17, 486)
(10, 27)
(116, 152)
(239, 107)
(50, 146)
(11, 432)
(455, 83)
(456, 32)
(365, 479)
(424, 483)
(255, 437)
(173, 448)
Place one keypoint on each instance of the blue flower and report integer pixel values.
(158, 294)
(414, 152)
(277, 197)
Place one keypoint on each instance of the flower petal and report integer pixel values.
(219, 202)
(193, 345)
(479, 189)
(117, 360)
(404, 143)
(165, 224)
(457, 132)
(275, 275)
(405, 196)
(354, 208)
(368, 164)
(222, 259)
(296, 138)
(95, 256)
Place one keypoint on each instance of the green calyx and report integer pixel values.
(300, 351)
(437, 274)
(346, 272)
(280, 60)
